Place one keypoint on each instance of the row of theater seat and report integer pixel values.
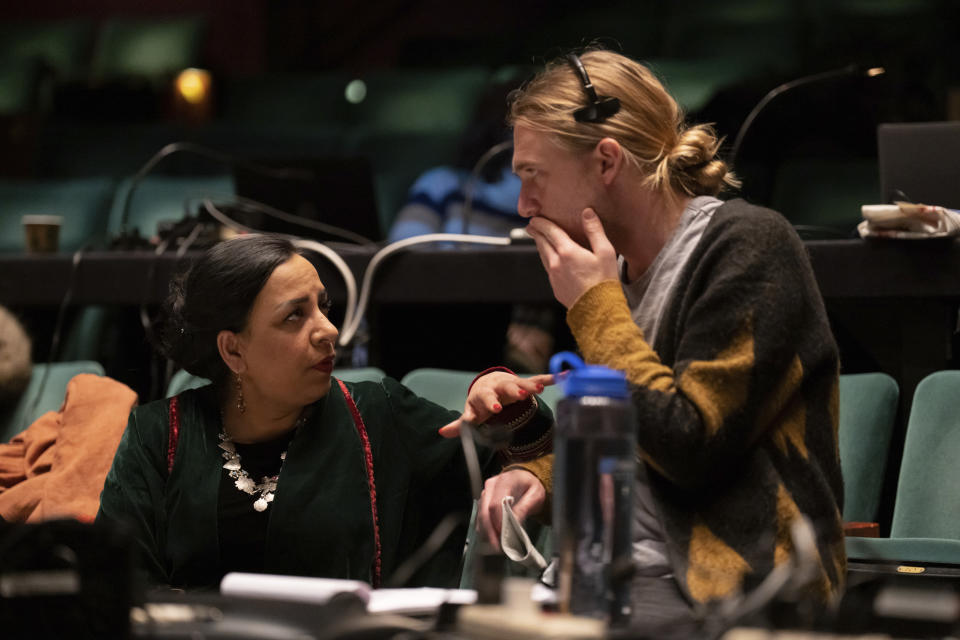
(88, 168)
(925, 529)
(92, 206)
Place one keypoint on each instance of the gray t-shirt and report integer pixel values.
(648, 296)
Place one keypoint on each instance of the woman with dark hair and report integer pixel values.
(278, 466)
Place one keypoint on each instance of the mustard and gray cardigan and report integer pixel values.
(736, 405)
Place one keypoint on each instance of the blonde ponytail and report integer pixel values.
(672, 159)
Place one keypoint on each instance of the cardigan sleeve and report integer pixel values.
(133, 491)
(748, 326)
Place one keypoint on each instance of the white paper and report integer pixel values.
(422, 600)
(294, 588)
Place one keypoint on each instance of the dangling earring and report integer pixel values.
(241, 405)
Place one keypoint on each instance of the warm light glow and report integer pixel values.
(193, 85)
(876, 71)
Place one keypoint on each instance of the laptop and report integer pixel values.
(921, 160)
(333, 191)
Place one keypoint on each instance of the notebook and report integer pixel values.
(922, 161)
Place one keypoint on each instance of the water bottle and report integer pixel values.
(593, 477)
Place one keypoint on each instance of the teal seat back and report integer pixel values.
(46, 391)
(152, 48)
(62, 46)
(83, 203)
(446, 387)
(928, 490)
(19, 87)
(165, 199)
(868, 412)
(826, 193)
(182, 380)
(419, 100)
(360, 374)
(286, 99)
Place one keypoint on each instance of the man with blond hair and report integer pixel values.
(712, 310)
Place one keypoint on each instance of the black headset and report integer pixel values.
(600, 107)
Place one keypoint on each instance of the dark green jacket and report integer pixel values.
(320, 521)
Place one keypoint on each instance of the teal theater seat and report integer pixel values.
(20, 84)
(822, 196)
(181, 380)
(446, 387)
(83, 203)
(46, 391)
(868, 412)
(154, 49)
(285, 99)
(751, 35)
(925, 529)
(438, 100)
(360, 374)
(62, 46)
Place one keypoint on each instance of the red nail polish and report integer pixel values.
(539, 387)
(497, 407)
(522, 392)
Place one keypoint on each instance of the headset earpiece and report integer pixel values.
(600, 107)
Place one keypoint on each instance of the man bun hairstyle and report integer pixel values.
(217, 293)
(672, 158)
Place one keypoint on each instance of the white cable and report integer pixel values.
(355, 309)
(350, 329)
(349, 281)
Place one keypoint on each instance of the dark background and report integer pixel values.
(812, 150)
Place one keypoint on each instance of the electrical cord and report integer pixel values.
(234, 161)
(55, 339)
(261, 207)
(470, 187)
(349, 280)
(446, 527)
(424, 552)
(205, 152)
(350, 329)
(789, 579)
(848, 70)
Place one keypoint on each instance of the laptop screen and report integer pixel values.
(921, 160)
(331, 190)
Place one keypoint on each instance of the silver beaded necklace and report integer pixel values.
(267, 487)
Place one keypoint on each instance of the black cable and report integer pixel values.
(55, 339)
(478, 168)
(849, 70)
(206, 152)
(433, 543)
(261, 207)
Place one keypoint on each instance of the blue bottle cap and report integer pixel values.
(587, 380)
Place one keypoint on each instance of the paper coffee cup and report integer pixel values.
(42, 233)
